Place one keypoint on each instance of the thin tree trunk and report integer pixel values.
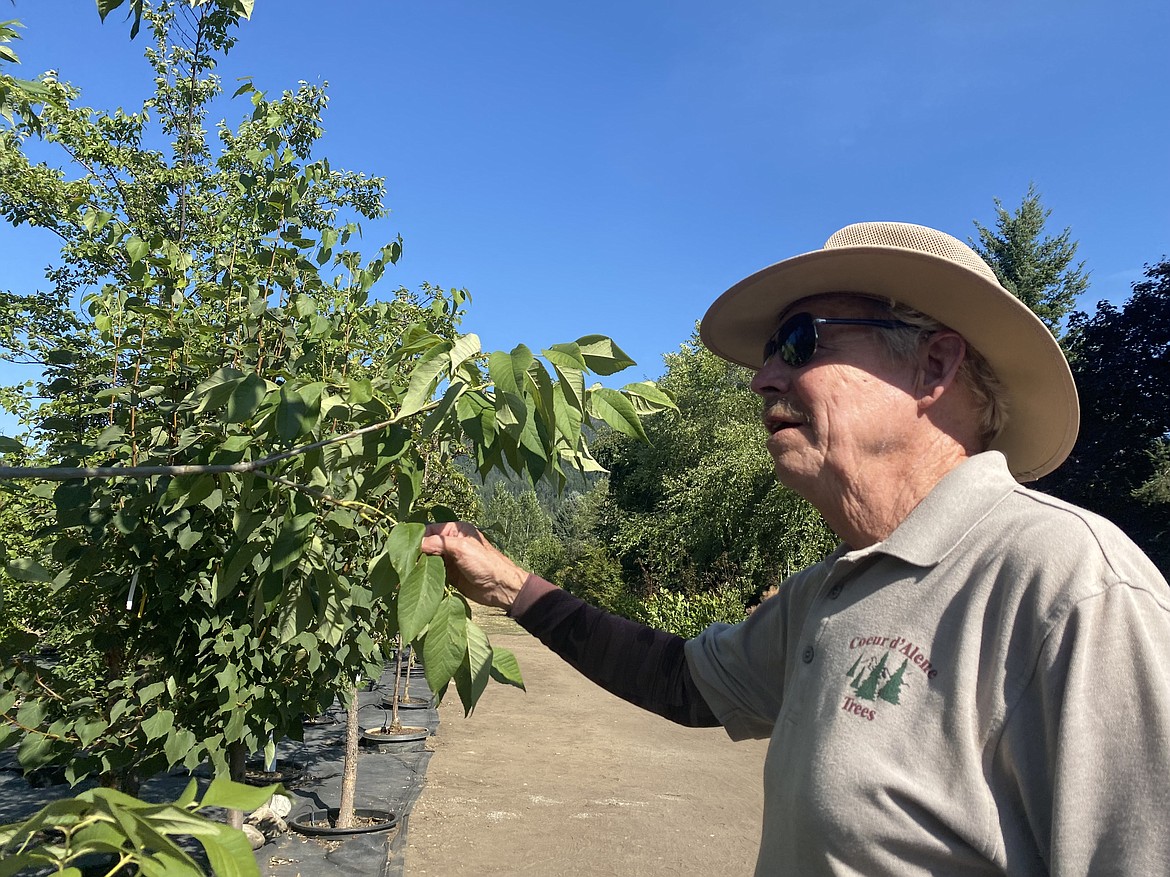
(237, 758)
(394, 723)
(349, 766)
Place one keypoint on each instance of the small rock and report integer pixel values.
(254, 835)
(281, 805)
(267, 822)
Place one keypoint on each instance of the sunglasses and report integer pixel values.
(796, 339)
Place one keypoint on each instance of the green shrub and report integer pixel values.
(684, 614)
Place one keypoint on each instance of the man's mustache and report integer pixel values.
(777, 409)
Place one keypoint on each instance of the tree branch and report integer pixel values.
(69, 473)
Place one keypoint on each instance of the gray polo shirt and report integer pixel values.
(987, 691)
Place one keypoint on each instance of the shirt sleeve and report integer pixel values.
(1088, 741)
(643, 666)
(740, 671)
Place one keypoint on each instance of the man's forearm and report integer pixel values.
(641, 665)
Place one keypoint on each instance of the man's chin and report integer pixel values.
(794, 470)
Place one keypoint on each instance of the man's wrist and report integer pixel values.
(533, 589)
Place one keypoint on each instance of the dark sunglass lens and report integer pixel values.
(796, 340)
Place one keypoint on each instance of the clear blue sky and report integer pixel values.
(612, 166)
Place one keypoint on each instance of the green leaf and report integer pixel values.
(360, 391)
(238, 559)
(228, 851)
(571, 382)
(446, 642)
(439, 414)
(507, 373)
(419, 596)
(246, 398)
(31, 714)
(566, 356)
(159, 724)
(383, 577)
(25, 569)
(10, 445)
(616, 410)
(472, 677)
(568, 417)
(602, 356)
(34, 750)
(647, 398)
(137, 248)
(289, 546)
(150, 692)
(187, 537)
(178, 745)
(465, 347)
(222, 792)
(88, 731)
(402, 546)
(505, 668)
(424, 379)
(212, 394)
(292, 414)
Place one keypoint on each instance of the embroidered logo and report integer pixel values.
(879, 677)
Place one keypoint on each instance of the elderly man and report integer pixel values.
(977, 681)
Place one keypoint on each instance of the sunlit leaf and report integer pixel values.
(402, 546)
(446, 642)
(419, 596)
(616, 410)
(602, 356)
(158, 724)
(423, 380)
(472, 677)
(25, 569)
(222, 792)
(647, 397)
(505, 667)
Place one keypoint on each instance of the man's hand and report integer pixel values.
(475, 566)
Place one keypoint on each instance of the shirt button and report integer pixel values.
(807, 656)
(835, 591)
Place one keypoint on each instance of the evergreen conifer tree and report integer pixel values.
(1035, 268)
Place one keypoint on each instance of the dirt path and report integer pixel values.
(569, 780)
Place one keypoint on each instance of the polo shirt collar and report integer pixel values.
(963, 497)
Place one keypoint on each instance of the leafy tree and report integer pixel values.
(245, 441)
(1036, 269)
(515, 520)
(698, 507)
(137, 7)
(1119, 464)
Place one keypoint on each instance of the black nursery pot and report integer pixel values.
(319, 823)
(411, 703)
(403, 735)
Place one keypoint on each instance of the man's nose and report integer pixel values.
(772, 378)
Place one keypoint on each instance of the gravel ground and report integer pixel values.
(568, 780)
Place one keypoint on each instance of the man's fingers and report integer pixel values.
(435, 536)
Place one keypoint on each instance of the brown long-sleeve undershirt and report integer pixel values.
(639, 664)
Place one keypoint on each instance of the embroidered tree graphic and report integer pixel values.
(868, 689)
(866, 683)
(852, 670)
(889, 691)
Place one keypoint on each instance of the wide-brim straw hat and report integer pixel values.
(943, 278)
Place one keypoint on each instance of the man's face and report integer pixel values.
(843, 415)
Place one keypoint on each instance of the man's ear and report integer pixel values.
(939, 358)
